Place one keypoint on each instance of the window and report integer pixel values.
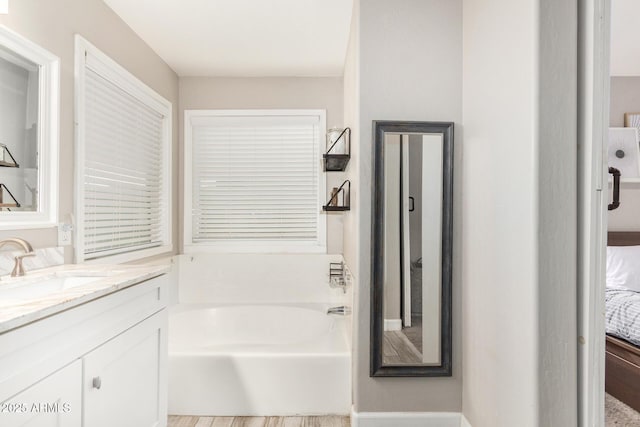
(123, 162)
(253, 180)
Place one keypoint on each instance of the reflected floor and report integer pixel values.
(397, 349)
(405, 346)
(414, 332)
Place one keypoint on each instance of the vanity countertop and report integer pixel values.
(18, 307)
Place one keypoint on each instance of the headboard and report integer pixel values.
(623, 238)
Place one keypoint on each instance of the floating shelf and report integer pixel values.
(337, 162)
(3, 205)
(3, 160)
(340, 194)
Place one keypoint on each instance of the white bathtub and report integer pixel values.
(258, 360)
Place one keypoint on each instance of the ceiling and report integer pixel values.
(243, 37)
(625, 38)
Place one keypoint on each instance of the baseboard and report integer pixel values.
(392, 324)
(408, 419)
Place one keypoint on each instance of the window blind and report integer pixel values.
(256, 178)
(124, 203)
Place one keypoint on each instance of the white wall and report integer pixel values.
(257, 279)
(269, 93)
(408, 65)
(625, 50)
(52, 25)
(519, 213)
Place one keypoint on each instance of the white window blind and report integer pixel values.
(256, 179)
(123, 206)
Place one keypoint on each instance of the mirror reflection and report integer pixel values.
(19, 89)
(412, 241)
(413, 228)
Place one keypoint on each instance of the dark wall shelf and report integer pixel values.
(3, 162)
(340, 200)
(336, 162)
(336, 208)
(3, 204)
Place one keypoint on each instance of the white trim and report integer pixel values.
(104, 65)
(593, 124)
(392, 324)
(48, 134)
(250, 247)
(408, 419)
(132, 256)
(406, 233)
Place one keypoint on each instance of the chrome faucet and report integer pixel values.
(341, 310)
(338, 282)
(337, 276)
(18, 269)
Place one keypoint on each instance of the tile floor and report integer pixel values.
(324, 421)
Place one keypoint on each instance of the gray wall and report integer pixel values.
(405, 63)
(268, 93)
(625, 98)
(392, 233)
(52, 25)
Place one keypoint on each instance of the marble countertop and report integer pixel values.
(16, 311)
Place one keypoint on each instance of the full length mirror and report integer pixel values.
(28, 132)
(412, 235)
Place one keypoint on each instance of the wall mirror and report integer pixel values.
(411, 249)
(29, 103)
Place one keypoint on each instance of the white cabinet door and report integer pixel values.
(124, 379)
(53, 402)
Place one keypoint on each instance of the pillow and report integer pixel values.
(623, 267)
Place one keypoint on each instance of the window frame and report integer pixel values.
(230, 246)
(121, 77)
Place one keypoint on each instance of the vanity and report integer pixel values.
(84, 345)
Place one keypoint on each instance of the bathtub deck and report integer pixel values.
(326, 421)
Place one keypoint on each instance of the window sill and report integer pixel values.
(255, 248)
(131, 256)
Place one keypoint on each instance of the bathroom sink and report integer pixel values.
(25, 289)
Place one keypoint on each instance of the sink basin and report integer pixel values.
(26, 289)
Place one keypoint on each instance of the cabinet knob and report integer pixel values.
(97, 382)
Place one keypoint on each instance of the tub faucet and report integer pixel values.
(341, 310)
(337, 277)
(18, 269)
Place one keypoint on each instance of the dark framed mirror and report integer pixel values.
(412, 235)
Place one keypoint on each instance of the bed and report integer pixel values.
(622, 372)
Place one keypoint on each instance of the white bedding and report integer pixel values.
(623, 314)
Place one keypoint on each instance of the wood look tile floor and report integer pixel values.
(398, 350)
(323, 421)
(414, 332)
